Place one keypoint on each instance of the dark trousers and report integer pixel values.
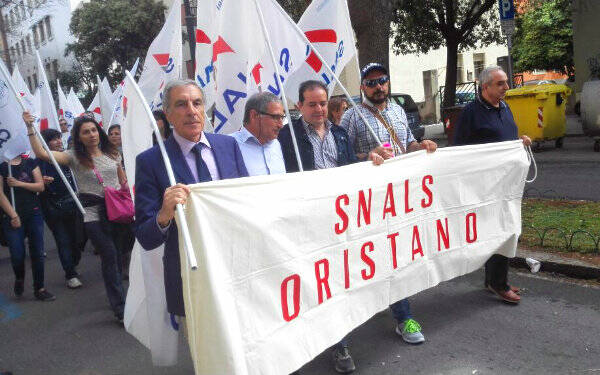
(124, 239)
(496, 272)
(101, 233)
(32, 227)
(63, 230)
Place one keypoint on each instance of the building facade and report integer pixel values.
(41, 25)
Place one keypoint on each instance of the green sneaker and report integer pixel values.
(410, 331)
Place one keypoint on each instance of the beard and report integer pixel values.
(375, 99)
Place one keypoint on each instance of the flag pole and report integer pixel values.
(12, 190)
(44, 144)
(278, 78)
(330, 71)
(179, 208)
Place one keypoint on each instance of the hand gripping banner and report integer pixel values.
(289, 264)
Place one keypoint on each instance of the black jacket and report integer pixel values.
(345, 153)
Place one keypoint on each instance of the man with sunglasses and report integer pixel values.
(257, 139)
(387, 119)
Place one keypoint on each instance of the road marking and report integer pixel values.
(8, 311)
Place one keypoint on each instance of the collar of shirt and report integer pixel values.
(309, 128)
(245, 135)
(366, 101)
(187, 145)
(487, 105)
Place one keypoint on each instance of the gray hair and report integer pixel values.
(177, 83)
(486, 74)
(259, 103)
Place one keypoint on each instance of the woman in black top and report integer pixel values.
(60, 211)
(24, 220)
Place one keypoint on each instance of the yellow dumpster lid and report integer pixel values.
(539, 89)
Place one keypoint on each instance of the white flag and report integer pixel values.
(164, 58)
(95, 107)
(64, 106)
(326, 24)
(232, 57)
(13, 133)
(117, 115)
(23, 90)
(75, 104)
(106, 103)
(48, 116)
(146, 316)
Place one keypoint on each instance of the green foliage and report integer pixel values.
(544, 38)
(295, 8)
(111, 34)
(420, 26)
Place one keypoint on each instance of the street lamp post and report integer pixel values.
(190, 22)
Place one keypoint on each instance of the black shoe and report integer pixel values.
(342, 361)
(19, 287)
(44, 295)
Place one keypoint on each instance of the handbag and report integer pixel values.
(119, 205)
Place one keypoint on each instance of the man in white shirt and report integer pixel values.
(257, 139)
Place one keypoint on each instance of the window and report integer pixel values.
(23, 13)
(48, 28)
(35, 81)
(41, 30)
(29, 84)
(48, 71)
(18, 50)
(24, 51)
(29, 44)
(12, 53)
(478, 63)
(36, 40)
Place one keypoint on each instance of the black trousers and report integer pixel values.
(496, 272)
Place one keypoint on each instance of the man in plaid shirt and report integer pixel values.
(393, 130)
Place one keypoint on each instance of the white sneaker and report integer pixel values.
(74, 283)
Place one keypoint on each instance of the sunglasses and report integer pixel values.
(378, 81)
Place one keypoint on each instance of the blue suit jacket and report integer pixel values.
(151, 180)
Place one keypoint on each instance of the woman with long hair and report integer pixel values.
(24, 219)
(163, 126)
(60, 211)
(93, 158)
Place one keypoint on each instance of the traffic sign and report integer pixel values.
(507, 9)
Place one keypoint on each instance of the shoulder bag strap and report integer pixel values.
(100, 180)
(388, 127)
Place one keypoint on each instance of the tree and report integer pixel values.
(111, 34)
(424, 25)
(544, 37)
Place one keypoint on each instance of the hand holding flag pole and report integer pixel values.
(12, 190)
(43, 142)
(189, 250)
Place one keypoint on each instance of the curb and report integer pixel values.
(570, 270)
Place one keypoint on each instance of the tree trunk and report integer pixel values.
(371, 21)
(451, 65)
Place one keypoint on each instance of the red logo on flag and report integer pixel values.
(44, 124)
(124, 106)
(201, 37)
(219, 47)
(161, 58)
(319, 36)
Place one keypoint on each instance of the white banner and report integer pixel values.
(326, 23)
(289, 264)
(23, 90)
(232, 59)
(64, 106)
(106, 102)
(75, 104)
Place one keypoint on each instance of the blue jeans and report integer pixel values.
(400, 312)
(32, 227)
(63, 231)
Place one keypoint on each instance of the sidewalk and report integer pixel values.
(568, 264)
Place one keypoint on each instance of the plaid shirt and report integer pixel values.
(360, 136)
(325, 151)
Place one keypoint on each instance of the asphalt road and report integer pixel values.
(555, 330)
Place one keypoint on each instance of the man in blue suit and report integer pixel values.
(195, 157)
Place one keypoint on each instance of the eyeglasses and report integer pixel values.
(377, 81)
(274, 116)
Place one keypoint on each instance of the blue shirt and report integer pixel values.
(480, 122)
(259, 159)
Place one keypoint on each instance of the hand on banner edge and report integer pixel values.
(526, 140)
